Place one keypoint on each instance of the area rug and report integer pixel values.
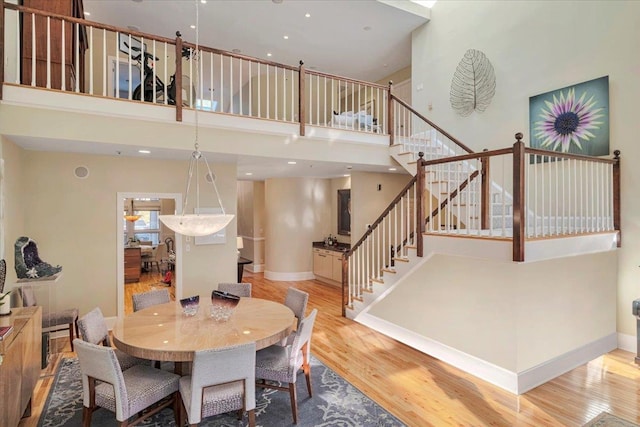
(605, 419)
(335, 402)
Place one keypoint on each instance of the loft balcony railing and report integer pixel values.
(70, 54)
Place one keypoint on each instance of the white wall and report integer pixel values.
(75, 224)
(537, 46)
(515, 316)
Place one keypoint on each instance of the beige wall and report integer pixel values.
(297, 212)
(13, 223)
(397, 77)
(367, 203)
(528, 64)
(516, 316)
(251, 221)
(75, 221)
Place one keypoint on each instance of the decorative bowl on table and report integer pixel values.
(222, 305)
(190, 305)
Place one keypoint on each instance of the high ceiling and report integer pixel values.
(362, 39)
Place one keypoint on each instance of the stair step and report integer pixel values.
(401, 259)
(389, 270)
(357, 298)
(411, 247)
(373, 279)
(406, 153)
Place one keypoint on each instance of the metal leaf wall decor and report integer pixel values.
(473, 84)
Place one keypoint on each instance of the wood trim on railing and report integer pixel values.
(391, 127)
(381, 217)
(1, 47)
(301, 97)
(616, 195)
(557, 154)
(451, 195)
(239, 56)
(84, 22)
(519, 220)
(346, 79)
(485, 195)
(472, 156)
(433, 125)
(420, 172)
(178, 77)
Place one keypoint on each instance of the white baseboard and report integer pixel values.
(254, 268)
(516, 383)
(628, 342)
(550, 369)
(489, 372)
(288, 277)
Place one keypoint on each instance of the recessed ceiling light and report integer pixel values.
(291, 162)
(346, 174)
(203, 1)
(277, 1)
(144, 151)
(87, 13)
(367, 28)
(236, 51)
(285, 37)
(133, 28)
(307, 15)
(193, 27)
(392, 169)
(269, 54)
(248, 173)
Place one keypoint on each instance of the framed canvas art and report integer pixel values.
(574, 119)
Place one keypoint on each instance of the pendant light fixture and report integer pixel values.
(132, 217)
(197, 224)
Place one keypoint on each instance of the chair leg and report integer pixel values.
(177, 410)
(86, 416)
(307, 374)
(294, 402)
(71, 335)
(252, 418)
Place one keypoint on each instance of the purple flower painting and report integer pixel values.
(573, 119)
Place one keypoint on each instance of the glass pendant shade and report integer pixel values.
(196, 224)
(132, 217)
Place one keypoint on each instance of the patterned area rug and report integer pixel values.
(335, 402)
(605, 419)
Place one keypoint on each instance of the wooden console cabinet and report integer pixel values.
(72, 8)
(327, 265)
(132, 264)
(20, 368)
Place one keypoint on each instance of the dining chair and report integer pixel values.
(52, 321)
(93, 329)
(297, 301)
(125, 393)
(281, 364)
(237, 289)
(150, 298)
(221, 380)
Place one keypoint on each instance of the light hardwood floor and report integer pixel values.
(422, 391)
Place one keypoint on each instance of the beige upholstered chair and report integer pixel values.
(297, 301)
(150, 298)
(281, 364)
(93, 329)
(237, 289)
(221, 380)
(52, 321)
(124, 392)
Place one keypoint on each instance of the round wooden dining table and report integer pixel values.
(162, 332)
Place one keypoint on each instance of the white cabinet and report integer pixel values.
(327, 265)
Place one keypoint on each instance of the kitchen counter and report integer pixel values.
(339, 247)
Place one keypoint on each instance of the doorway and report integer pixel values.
(147, 229)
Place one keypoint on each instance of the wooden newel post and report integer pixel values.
(485, 214)
(420, 205)
(178, 78)
(301, 97)
(616, 196)
(390, 117)
(345, 284)
(519, 212)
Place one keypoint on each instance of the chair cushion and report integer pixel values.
(272, 363)
(145, 386)
(217, 399)
(63, 317)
